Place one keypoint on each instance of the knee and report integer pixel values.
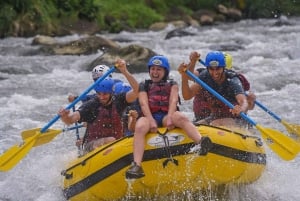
(179, 117)
(142, 126)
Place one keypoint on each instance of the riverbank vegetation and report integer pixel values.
(60, 17)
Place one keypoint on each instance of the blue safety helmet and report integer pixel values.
(121, 87)
(161, 61)
(215, 59)
(106, 86)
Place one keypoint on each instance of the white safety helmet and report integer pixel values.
(99, 70)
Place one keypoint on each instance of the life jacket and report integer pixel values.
(107, 123)
(158, 95)
(244, 81)
(200, 106)
(242, 78)
(204, 102)
(218, 108)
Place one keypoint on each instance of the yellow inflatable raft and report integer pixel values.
(235, 158)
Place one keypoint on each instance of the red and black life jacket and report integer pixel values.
(220, 109)
(158, 95)
(244, 81)
(204, 103)
(200, 106)
(108, 123)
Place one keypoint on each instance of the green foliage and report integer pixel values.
(115, 16)
(20, 6)
(82, 9)
(202, 4)
(271, 8)
(7, 15)
(44, 16)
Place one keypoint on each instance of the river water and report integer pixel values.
(33, 88)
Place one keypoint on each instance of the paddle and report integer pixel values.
(47, 136)
(282, 145)
(14, 154)
(291, 128)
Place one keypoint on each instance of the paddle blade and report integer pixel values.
(13, 155)
(291, 128)
(46, 137)
(281, 144)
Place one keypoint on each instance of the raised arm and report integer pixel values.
(132, 95)
(188, 92)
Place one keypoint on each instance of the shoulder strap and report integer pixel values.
(230, 73)
(116, 103)
(147, 83)
(179, 99)
(242, 78)
(244, 81)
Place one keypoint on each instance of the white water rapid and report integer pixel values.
(33, 88)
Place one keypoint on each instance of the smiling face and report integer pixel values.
(216, 73)
(156, 73)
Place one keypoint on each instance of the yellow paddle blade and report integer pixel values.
(281, 144)
(43, 138)
(13, 155)
(291, 128)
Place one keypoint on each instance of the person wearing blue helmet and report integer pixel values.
(121, 87)
(97, 72)
(223, 82)
(158, 98)
(103, 113)
(200, 105)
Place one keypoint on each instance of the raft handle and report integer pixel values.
(66, 175)
(258, 142)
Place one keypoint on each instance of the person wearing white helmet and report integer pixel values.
(98, 71)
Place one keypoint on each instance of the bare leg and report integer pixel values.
(141, 129)
(181, 121)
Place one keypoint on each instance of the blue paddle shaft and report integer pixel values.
(202, 62)
(100, 79)
(221, 98)
(73, 128)
(268, 111)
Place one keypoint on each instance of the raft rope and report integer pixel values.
(167, 148)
